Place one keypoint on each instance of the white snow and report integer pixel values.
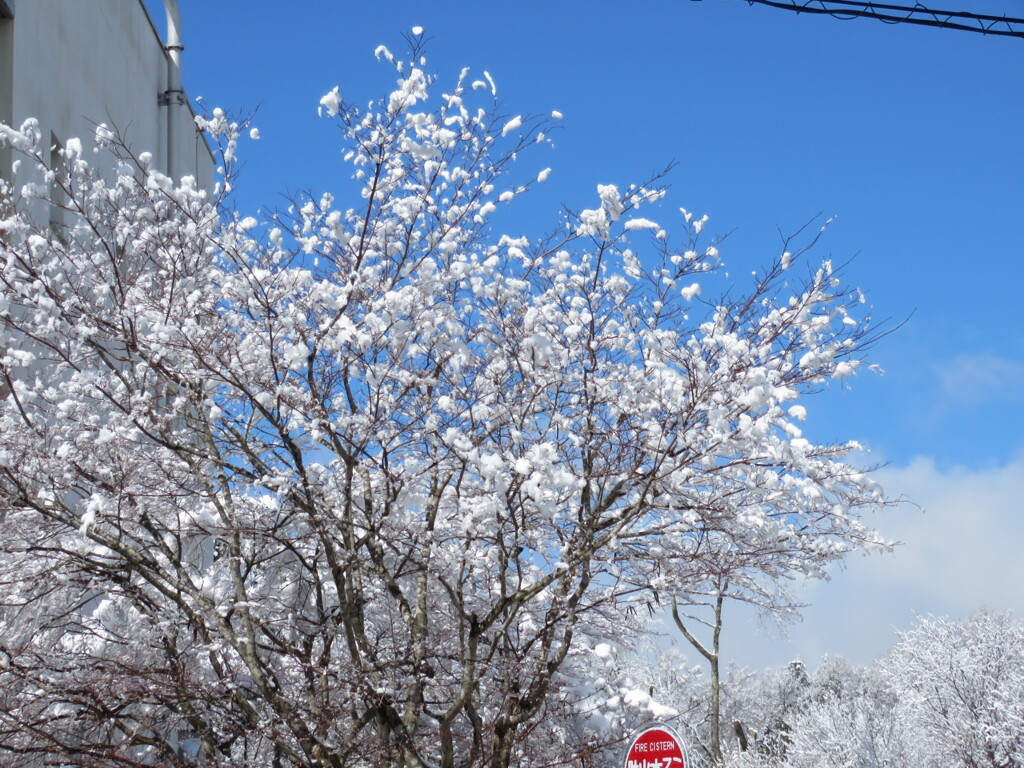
(639, 223)
(332, 102)
(512, 125)
(73, 148)
(842, 370)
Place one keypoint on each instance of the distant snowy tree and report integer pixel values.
(370, 483)
(849, 720)
(960, 687)
(950, 694)
(782, 696)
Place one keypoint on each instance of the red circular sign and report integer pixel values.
(656, 747)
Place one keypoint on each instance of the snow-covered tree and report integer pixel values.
(950, 694)
(370, 482)
(960, 687)
(849, 720)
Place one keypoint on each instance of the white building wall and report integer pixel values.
(74, 64)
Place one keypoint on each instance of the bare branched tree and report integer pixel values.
(364, 484)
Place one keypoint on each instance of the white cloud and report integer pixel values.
(964, 550)
(961, 550)
(974, 379)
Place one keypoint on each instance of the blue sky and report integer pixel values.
(913, 138)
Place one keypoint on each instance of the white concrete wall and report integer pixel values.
(78, 63)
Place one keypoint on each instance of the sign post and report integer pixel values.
(656, 745)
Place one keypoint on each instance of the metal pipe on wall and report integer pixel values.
(174, 96)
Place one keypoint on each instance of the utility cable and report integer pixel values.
(967, 21)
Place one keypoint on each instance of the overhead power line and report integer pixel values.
(967, 21)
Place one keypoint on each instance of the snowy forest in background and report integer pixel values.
(364, 482)
(948, 694)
